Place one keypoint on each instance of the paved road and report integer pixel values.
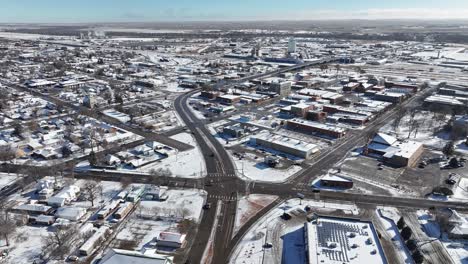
(221, 174)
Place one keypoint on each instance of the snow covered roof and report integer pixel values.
(171, 237)
(384, 139)
(338, 240)
(336, 178)
(70, 213)
(118, 256)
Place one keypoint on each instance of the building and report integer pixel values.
(229, 99)
(317, 116)
(342, 241)
(33, 209)
(169, 239)
(336, 181)
(65, 196)
(309, 127)
(390, 97)
(119, 256)
(292, 46)
(283, 88)
(301, 109)
(209, 94)
(70, 213)
(285, 144)
(234, 131)
(395, 152)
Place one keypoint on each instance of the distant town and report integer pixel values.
(142, 144)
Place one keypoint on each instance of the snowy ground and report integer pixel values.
(285, 236)
(389, 217)
(457, 249)
(187, 164)
(427, 131)
(259, 171)
(7, 179)
(248, 206)
(27, 245)
(461, 192)
(173, 87)
(180, 203)
(154, 217)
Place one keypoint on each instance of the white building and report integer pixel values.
(338, 240)
(169, 239)
(286, 145)
(65, 196)
(292, 46)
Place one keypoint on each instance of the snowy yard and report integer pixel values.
(425, 127)
(248, 206)
(259, 171)
(187, 164)
(7, 179)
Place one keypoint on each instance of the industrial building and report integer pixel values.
(285, 144)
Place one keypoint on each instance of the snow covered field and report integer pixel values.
(248, 206)
(259, 171)
(154, 217)
(7, 179)
(425, 127)
(187, 164)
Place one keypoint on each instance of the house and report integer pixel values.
(119, 256)
(70, 213)
(112, 160)
(32, 209)
(170, 239)
(65, 196)
(43, 220)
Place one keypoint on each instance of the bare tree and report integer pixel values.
(92, 190)
(125, 182)
(59, 243)
(7, 225)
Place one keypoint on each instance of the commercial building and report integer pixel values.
(169, 239)
(336, 181)
(285, 144)
(229, 99)
(234, 131)
(395, 152)
(283, 88)
(340, 240)
(292, 46)
(306, 126)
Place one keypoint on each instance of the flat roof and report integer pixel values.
(287, 142)
(341, 240)
(317, 125)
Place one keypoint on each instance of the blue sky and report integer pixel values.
(14, 11)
